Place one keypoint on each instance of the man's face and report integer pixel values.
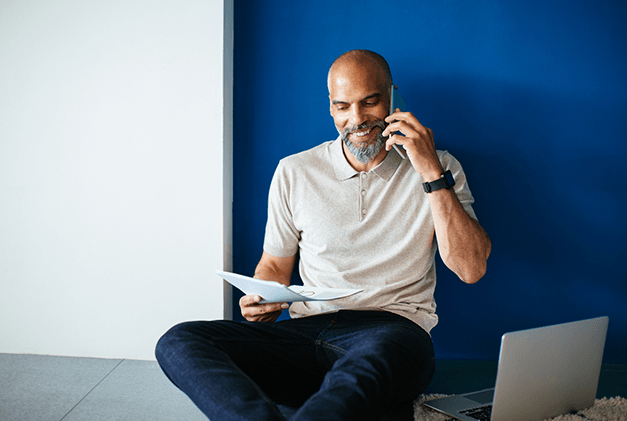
(359, 104)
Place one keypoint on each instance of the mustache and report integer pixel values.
(366, 126)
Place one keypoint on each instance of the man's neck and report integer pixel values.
(358, 166)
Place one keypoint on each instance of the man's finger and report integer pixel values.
(249, 300)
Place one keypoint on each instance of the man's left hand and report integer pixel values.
(417, 141)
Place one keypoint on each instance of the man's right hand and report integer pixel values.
(270, 268)
(255, 312)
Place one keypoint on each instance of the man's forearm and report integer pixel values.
(463, 244)
(272, 268)
(267, 273)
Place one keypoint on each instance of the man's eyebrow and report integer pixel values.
(377, 94)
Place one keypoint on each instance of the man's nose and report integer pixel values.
(357, 116)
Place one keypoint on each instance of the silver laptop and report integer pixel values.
(542, 373)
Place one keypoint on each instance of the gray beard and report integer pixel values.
(365, 154)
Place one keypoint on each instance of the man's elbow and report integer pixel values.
(478, 265)
(469, 264)
(473, 270)
(473, 276)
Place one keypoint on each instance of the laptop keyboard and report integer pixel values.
(483, 413)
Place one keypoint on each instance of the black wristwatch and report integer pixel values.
(446, 181)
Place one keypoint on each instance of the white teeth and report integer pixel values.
(360, 134)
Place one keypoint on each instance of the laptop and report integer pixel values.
(542, 373)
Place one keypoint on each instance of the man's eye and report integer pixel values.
(371, 103)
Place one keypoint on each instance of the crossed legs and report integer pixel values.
(345, 365)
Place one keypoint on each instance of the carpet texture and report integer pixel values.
(612, 409)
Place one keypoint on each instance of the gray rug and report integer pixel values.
(612, 409)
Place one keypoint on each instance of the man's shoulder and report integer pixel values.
(448, 160)
(315, 156)
(444, 155)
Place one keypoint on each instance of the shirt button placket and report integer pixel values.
(362, 196)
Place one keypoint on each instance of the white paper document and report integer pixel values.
(274, 292)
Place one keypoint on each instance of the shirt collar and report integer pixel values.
(344, 171)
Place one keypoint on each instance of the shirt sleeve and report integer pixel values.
(461, 183)
(282, 236)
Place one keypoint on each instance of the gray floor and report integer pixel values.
(47, 388)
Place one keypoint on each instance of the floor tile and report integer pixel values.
(138, 391)
(46, 388)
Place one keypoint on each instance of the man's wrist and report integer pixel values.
(445, 181)
(432, 171)
(432, 176)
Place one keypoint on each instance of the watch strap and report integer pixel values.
(446, 181)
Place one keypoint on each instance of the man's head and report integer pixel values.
(359, 92)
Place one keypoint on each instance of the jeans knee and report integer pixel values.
(169, 341)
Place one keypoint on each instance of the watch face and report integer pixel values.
(450, 181)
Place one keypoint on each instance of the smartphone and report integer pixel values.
(397, 101)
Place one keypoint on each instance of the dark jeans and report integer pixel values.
(350, 365)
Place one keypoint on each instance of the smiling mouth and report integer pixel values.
(363, 135)
(363, 132)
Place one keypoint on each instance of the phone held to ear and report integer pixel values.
(397, 101)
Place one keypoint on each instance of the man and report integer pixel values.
(358, 215)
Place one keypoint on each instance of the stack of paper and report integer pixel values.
(274, 292)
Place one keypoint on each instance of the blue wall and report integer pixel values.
(530, 96)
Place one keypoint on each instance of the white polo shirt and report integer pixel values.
(372, 230)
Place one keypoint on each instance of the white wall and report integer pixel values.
(113, 215)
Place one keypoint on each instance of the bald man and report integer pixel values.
(359, 215)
